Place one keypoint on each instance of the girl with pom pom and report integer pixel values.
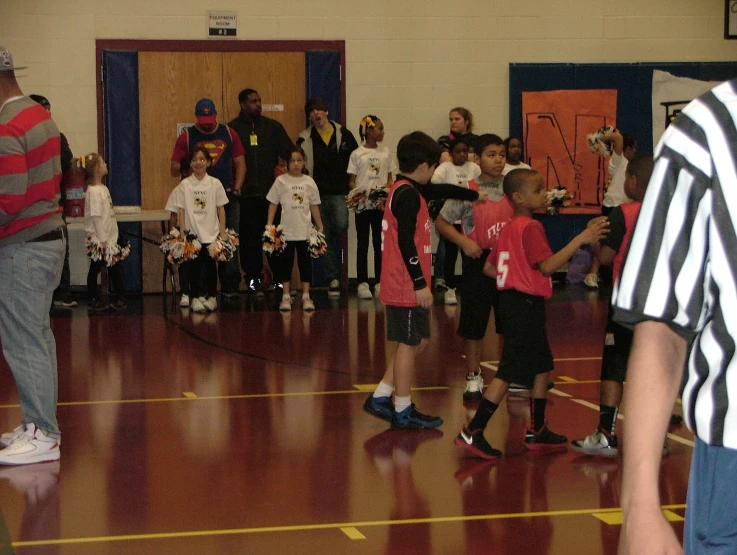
(101, 228)
(370, 168)
(299, 199)
(200, 201)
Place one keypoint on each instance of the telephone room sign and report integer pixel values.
(222, 24)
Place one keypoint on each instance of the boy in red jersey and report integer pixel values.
(522, 264)
(618, 343)
(405, 273)
(481, 225)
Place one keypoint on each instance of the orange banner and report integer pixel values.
(555, 126)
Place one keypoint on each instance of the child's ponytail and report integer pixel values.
(89, 164)
(367, 123)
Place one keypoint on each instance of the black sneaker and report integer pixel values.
(380, 407)
(544, 439)
(412, 419)
(254, 287)
(476, 443)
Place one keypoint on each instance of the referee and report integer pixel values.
(679, 288)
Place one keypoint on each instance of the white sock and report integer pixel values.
(383, 390)
(401, 403)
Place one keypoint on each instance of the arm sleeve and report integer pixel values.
(273, 195)
(285, 144)
(668, 274)
(221, 198)
(405, 207)
(535, 243)
(238, 149)
(353, 163)
(446, 191)
(617, 230)
(180, 148)
(66, 154)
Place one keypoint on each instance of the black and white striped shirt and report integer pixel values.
(681, 267)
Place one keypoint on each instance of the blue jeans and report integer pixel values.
(230, 272)
(29, 273)
(334, 214)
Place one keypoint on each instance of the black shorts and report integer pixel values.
(407, 324)
(478, 296)
(617, 346)
(526, 351)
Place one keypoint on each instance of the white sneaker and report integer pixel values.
(307, 304)
(184, 301)
(377, 288)
(474, 388)
(597, 444)
(33, 446)
(334, 288)
(364, 292)
(450, 297)
(210, 304)
(8, 437)
(198, 304)
(286, 303)
(591, 281)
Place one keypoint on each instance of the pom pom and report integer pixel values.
(558, 197)
(356, 200)
(180, 248)
(223, 250)
(596, 143)
(316, 243)
(273, 239)
(110, 254)
(377, 198)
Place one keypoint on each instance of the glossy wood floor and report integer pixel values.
(241, 431)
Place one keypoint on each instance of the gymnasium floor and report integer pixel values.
(241, 431)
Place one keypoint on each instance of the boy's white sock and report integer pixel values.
(401, 403)
(383, 390)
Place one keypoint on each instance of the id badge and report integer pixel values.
(254, 139)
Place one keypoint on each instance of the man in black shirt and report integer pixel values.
(265, 141)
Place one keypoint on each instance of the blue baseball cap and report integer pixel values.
(205, 111)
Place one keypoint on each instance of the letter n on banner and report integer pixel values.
(555, 125)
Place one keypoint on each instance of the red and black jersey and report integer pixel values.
(630, 210)
(515, 269)
(397, 286)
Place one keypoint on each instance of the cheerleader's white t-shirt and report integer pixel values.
(371, 166)
(509, 167)
(99, 204)
(200, 200)
(448, 172)
(296, 195)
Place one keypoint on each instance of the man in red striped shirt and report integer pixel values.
(32, 246)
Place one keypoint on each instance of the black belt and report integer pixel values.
(53, 235)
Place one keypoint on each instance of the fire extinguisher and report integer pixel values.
(73, 184)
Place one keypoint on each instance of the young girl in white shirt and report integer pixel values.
(457, 172)
(200, 201)
(371, 166)
(513, 147)
(100, 226)
(299, 199)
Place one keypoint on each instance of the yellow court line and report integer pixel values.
(220, 397)
(189, 395)
(567, 379)
(353, 533)
(325, 526)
